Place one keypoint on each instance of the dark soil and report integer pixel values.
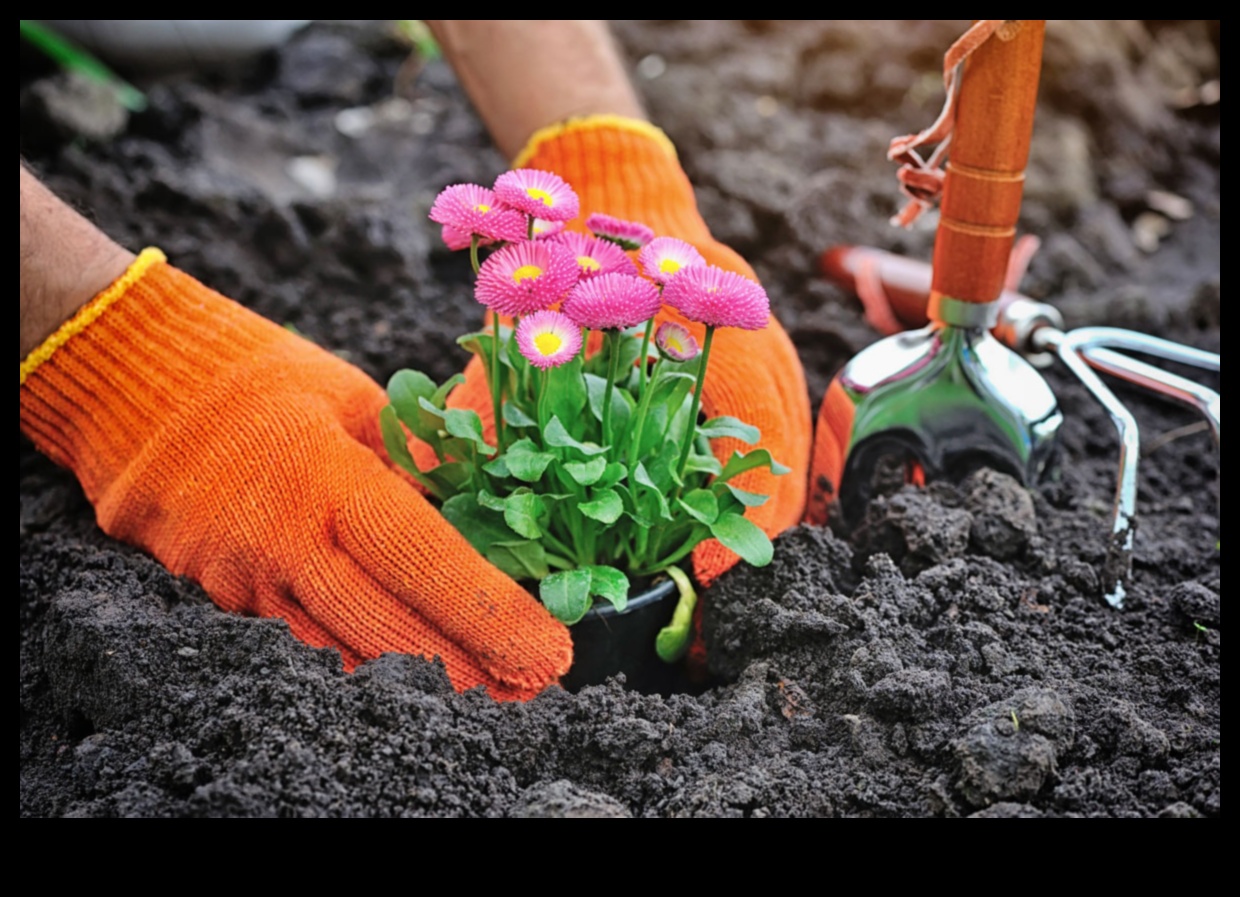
(952, 657)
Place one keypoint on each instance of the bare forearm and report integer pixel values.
(522, 75)
(64, 260)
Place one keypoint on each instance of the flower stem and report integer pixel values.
(644, 362)
(643, 408)
(691, 426)
(613, 365)
(496, 396)
(543, 417)
(473, 254)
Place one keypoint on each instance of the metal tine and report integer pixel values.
(1202, 398)
(1093, 347)
(1123, 522)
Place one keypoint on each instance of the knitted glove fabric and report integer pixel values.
(628, 169)
(250, 460)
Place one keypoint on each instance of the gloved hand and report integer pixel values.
(628, 169)
(250, 460)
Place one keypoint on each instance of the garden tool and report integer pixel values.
(1035, 330)
(949, 398)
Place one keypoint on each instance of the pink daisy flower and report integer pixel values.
(625, 234)
(470, 209)
(612, 302)
(595, 256)
(718, 298)
(665, 257)
(548, 339)
(676, 342)
(544, 228)
(538, 193)
(525, 277)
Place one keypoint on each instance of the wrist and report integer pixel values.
(63, 261)
(627, 168)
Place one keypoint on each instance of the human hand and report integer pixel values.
(250, 460)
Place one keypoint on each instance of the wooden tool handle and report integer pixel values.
(986, 172)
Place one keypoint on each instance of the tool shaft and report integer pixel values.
(986, 174)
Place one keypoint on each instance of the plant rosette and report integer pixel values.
(599, 472)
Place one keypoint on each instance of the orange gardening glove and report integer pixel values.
(250, 460)
(628, 169)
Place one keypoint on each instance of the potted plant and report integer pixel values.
(596, 479)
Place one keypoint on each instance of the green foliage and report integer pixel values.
(561, 503)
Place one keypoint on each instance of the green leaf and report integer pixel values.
(642, 478)
(586, 473)
(567, 594)
(609, 583)
(701, 505)
(497, 468)
(525, 462)
(520, 560)
(739, 463)
(396, 443)
(622, 403)
(441, 394)
(703, 464)
(743, 537)
(556, 434)
(482, 527)
(748, 499)
(673, 639)
(671, 388)
(515, 417)
(451, 477)
(493, 502)
(566, 391)
(404, 389)
(606, 508)
(478, 342)
(721, 427)
(612, 474)
(522, 511)
(464, 423)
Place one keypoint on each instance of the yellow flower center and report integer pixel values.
(541, 195)
(482, 207)
(587, 263)
(526, 272)
(675, 345)
(548, 343)
(669, 266)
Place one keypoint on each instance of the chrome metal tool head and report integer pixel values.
(939, 403)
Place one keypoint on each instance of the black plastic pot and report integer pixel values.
(607, 642)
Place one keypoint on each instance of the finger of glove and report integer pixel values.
(273, 602)
(342, 604)
(402, 542)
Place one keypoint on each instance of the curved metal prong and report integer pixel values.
(1132, 341)
(1123, 524)
(1205, 400)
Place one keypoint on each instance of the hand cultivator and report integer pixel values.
(953, 396)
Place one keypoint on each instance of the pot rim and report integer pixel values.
(654, 593)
